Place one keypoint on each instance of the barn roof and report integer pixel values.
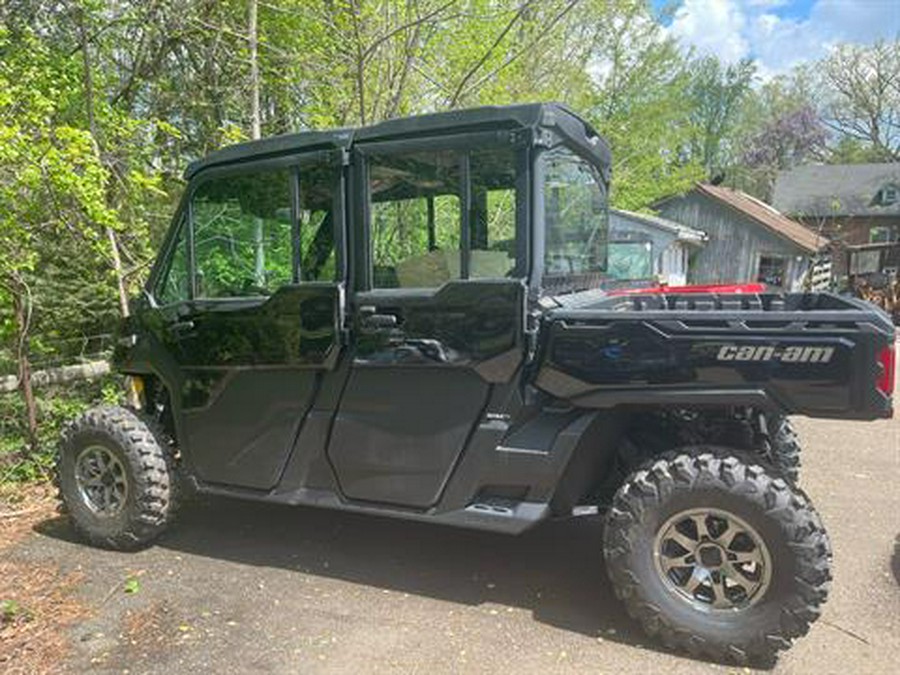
(767, 216)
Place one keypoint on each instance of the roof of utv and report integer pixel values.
(553, 116)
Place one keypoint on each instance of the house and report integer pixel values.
(747, 240)
(644, 247)
(855, 205)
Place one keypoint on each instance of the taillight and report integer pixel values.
(888, 361)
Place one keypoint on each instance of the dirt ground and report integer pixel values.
(241, 587)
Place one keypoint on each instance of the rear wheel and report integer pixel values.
(714, 555)
(116, 478)
(784, 447)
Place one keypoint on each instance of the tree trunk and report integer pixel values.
(256, 134)
(58, 375)
(120, 274)
(21, 312)
(253, 39)
(130, 393)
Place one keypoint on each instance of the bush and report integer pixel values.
(56, 404)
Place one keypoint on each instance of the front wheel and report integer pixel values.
(116, 478)
(714, 555)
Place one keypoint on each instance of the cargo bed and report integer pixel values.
(816, 354)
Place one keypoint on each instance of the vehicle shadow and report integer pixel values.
(555, 571)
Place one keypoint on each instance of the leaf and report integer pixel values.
(132, 585)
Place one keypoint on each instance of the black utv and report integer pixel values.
(408, 319)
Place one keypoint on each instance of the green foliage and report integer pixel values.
(51, 179)
(11, 612)
(103, 104)
(132, 586)
(716, 95)
(856, 151)
(57, 405)
(639, 101)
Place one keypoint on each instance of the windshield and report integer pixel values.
(575, 221)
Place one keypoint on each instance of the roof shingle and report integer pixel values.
(765, 215)
(836, 190)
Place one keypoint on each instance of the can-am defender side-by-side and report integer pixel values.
(406, 319)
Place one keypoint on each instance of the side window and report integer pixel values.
(493, 223)
(415, 218)
(174, 284)
(242, 234)
(575, 218)
(318, 183)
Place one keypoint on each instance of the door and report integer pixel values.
(437, 317)
(249, 314)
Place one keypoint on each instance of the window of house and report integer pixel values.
(242, 234)
(889, 194)
(417, 216)
(882, 234)
(630, 260)
(772, 270)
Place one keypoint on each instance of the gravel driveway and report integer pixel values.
(241, 587)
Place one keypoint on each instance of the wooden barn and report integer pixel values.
(747, 240)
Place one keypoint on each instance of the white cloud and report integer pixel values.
(779, 44)
(713, 27)
(733, 29)
(767, 4)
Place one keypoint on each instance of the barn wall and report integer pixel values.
(735, 244)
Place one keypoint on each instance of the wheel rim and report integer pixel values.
(713, 560)
(101, 480)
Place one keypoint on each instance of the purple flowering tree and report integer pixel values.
(791, 138)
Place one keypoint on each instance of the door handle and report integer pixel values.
(371, 319)
(380, 321)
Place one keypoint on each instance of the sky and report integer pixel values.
(779, 34)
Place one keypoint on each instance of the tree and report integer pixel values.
(717, 93)
(51, 185)
(639, 103)
(861, 87)
(849, 150)
(788, 140)
(779, 127)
